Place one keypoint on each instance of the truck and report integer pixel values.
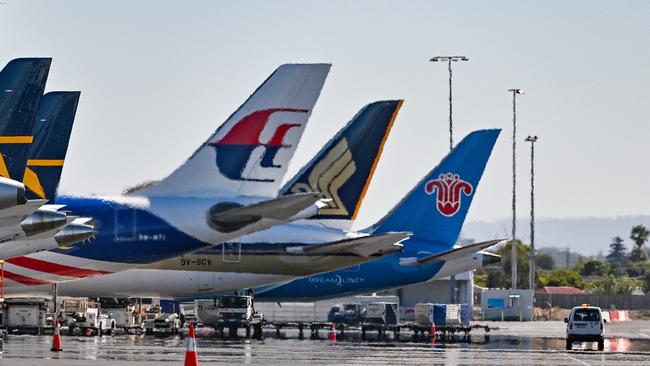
(149, 318)
(125, 313)
(188, 314)
(25, 315)
(348, 314)
(236, 312)
(166, 324)
(92, 322)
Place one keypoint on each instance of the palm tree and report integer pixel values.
(639, 235)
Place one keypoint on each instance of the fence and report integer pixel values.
(627, 302)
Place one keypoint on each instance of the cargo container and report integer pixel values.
(380, 313)
(427, 314)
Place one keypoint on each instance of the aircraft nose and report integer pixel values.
(490, 258)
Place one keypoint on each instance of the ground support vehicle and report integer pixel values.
(25, 315)
(166, 324)
(236, 312)
(585, 324)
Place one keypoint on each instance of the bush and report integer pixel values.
(593, 267)
(611, 285)
(565, 277)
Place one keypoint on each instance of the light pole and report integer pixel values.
(532, 140)
(513, 258)
(449, 60)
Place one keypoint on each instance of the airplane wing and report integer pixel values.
(14, 215)
(364, 246)
(454, 253)
(230, 217)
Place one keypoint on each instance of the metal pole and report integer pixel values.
(451, 129)
(533, 264)
(452, 279)
(514, 192)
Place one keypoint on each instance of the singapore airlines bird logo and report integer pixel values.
(328, 176)
(448, 188)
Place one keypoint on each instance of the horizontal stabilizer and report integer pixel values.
(14, 215)
(363, 247)
(454, 253)
(228, 217)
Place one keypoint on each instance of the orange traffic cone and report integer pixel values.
(191, 358)
(433, 333)
(56, 341)
(332, 335)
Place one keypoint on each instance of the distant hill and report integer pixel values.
(587, 235)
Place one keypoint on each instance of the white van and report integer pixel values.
(585, 324)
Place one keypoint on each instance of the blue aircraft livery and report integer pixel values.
(424, 213)
(22, 82)
(168, 218)
(54, 120)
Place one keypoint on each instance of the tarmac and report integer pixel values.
(628, 343)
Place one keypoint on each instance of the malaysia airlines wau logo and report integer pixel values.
(234, 149)
(448, 188)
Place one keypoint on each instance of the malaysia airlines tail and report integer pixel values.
(434, 210)
(344, 167)
(248, 155)
(54, 120)
(22, 82)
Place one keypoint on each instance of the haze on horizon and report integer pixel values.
(157, 77)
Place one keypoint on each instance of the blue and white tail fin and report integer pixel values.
(250, 152)
(344, 167)
(54, 120)
(22, 82)
(435, 209)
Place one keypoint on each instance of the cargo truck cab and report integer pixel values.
(585, 324)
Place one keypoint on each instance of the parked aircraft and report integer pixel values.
(227, 188)
(30, 225)
(342, 171)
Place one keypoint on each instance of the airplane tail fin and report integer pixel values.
(250, 152)
(54, 120)
(344, 167)
(435, 209)
(22, 82)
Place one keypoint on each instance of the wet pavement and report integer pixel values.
(511, 344)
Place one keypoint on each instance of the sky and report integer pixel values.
(158, 77)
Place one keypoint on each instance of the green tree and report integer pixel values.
(593, 267)
(523, 264)
(616, 256)
(545, 261)
(612, 285)
(639, 236)
(565, 277)
(497, 279)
